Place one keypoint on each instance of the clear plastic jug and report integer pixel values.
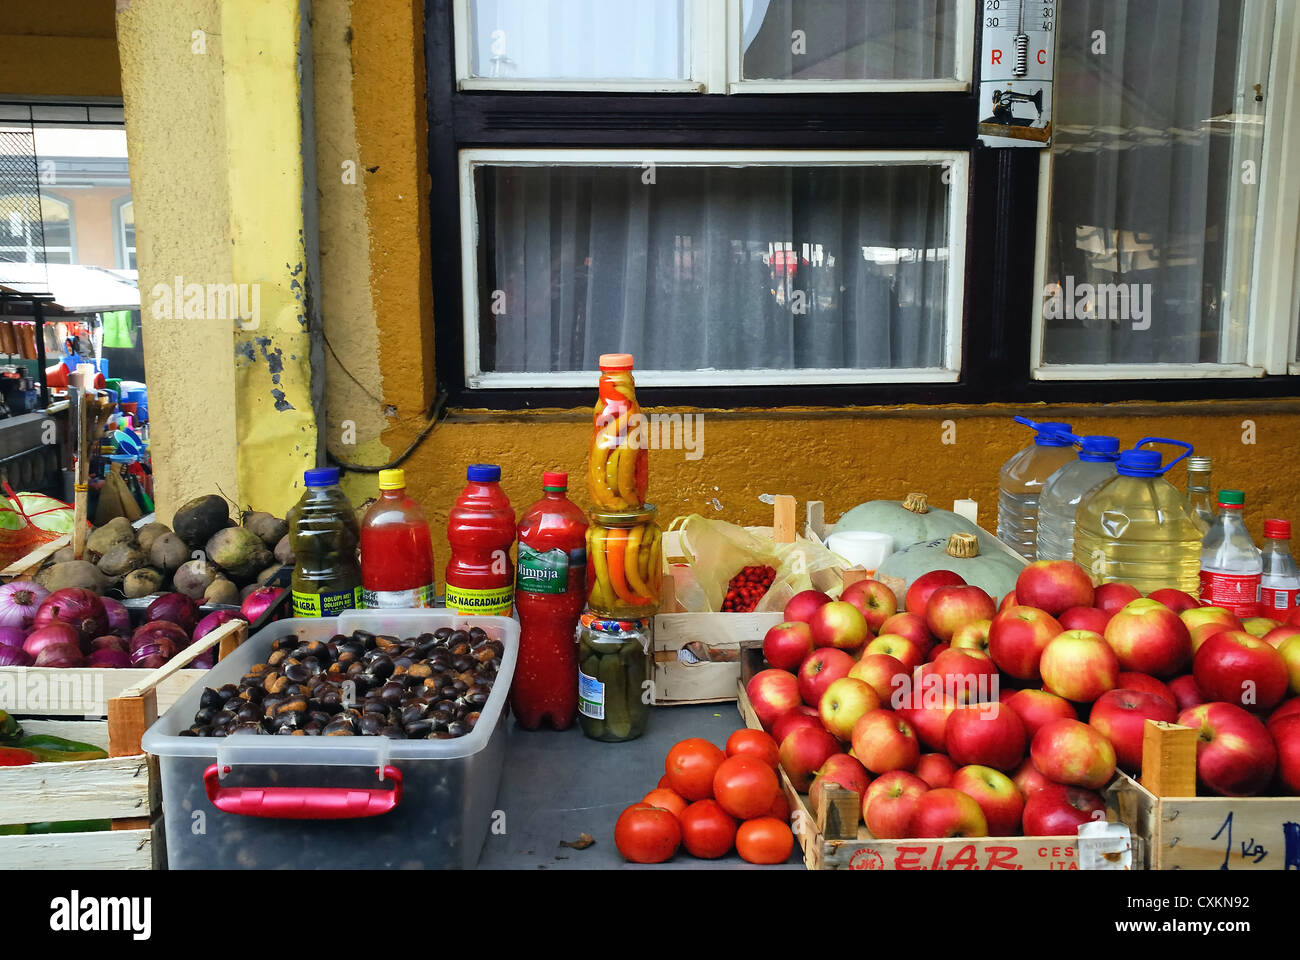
(1066, 487)
(1137, 528)
(1021, 481)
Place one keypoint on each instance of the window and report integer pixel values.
(28, 238)
(126, 234)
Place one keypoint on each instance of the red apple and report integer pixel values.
(788, 723)
(772, 693)
(842, 771)
(937, 649)
(1084, 618)
(875, 600)
(936, 769)
(1148, 637)
(1259, 626)
(930, 718)
(950, 608)
(1286, 737)
(843, 703)
(883, 741)
(1079, 665)
(1038, 707)
(1237, 668)
(1235, 755)
(803, 604)
(1195, 616)
(1203, 631)
(1029, 778)
(839, 624)
(882, 673)
(1008, 601)
(1289, 709)
(1073, 753)
(786, 645)
(908, 625)
(1054, 586)
(1059, 811)
(900, 648)
(918, 594)
(1186, 693)
(1175, 600)
(968, 676)
(890, 802)
(819, 670)
(803, 752)
(998, 796)
(1289, 650)
(1147, 684)
(1111, 598)
(1121, 716)
(1017, 637)
(946, 812)
(970, 636)
(1275, 636)
(988, 734)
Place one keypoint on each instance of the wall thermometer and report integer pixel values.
(1018, 60)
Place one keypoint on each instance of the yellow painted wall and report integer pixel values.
(58, 48)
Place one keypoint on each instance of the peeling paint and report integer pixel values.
(281, 403)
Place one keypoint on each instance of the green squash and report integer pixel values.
(909, 521)
(994, 571)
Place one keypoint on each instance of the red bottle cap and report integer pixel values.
(616, 361)
(555, 480)
(1277, 529)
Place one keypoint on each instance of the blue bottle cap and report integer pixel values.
(321, 476)
(483, 473)
(1099, 449)
(1053, 435)
(1140, 463)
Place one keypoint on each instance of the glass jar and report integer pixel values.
(613, 660)
(624, 563)
(619, 461)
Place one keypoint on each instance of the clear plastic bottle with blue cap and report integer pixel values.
(1066, 487)
(1138, 528)
(1021, 482)
(324, 535)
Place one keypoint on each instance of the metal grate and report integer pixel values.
(22, 229)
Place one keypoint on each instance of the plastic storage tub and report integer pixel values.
(436, 818)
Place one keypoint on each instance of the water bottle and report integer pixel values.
(1231, 565)
(1065, 488)
(1138, 528)
(1021, 480)
(1279, 586)
(1198, 488)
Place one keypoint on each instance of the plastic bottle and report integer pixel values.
(1231, 565)
(1021, 480)
(1279, 586)
(396, 550)
(1198, 488)
(481, 531)
(324, 535)
(1065, 488)
(550, 592)
(1137, 527)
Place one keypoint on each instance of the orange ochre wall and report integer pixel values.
(59, 48)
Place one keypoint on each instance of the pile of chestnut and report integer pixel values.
(428, 687)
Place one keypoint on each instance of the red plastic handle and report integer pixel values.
(304, 803)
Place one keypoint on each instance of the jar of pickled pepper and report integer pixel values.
(618, 465)
(624, 563)
(613, 660)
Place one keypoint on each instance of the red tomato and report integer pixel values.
(665, 799)
(780, 808)
(708, 831)
(646, 834)
(754, 743)
(765, 840)
(690, 766)
(745, 786)
(663, 783)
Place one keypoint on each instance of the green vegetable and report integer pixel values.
(12, 829)
(10, 731)
(70, 826)
(613, 674)
(50, 749)
(16, 757)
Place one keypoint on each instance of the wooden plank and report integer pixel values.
(707, 682)
(783, 522)
(815, 521)
(1223, 833)
(1169, 759)
(128, 719)
(107, 850)
(839, 814)
(81, 691)
(75, 790)
(33, 560)
(153, 678)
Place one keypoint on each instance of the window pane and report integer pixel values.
(578, 40)
(1151, 227)
(849, 39)
(714, 268)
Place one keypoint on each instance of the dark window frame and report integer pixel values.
(998, 301)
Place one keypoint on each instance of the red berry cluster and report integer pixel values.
(747, 588)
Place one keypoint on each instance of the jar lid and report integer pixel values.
(594, 621)
(616, 361)
(623, 518)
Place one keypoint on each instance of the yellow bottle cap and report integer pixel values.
(392, 479)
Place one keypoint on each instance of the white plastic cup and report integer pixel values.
(862, 548)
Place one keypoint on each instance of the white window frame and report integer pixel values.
(28, 248)
(1274, 291)
(713, 35)
(950, 372)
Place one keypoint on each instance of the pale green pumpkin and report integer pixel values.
(909, 521)
(994, 571)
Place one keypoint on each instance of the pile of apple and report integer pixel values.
(963, 717)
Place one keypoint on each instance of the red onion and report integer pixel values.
(119, 617)
(204, 661)
(12, 636)
(19, 601)
(174, 608)
(213, 620)
(157, 639)
(56, 632)
(77, 606)
(256, 603)
(110, 641)
(15, 657)
(105, 657)
(60, 655)
(151, 662)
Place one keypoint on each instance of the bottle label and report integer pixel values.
(399, 599)
(1278, 600)
(547, 571)
(326, 604)
(1236, 592)
(496, 601)
(591, 697)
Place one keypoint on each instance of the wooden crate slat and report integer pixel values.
(75, 790)
(81, 691)
(107, 850)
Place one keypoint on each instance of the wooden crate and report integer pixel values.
(124, 788)
(1187, 832)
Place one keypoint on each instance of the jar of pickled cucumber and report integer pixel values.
(613, 660)
(624, 563)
